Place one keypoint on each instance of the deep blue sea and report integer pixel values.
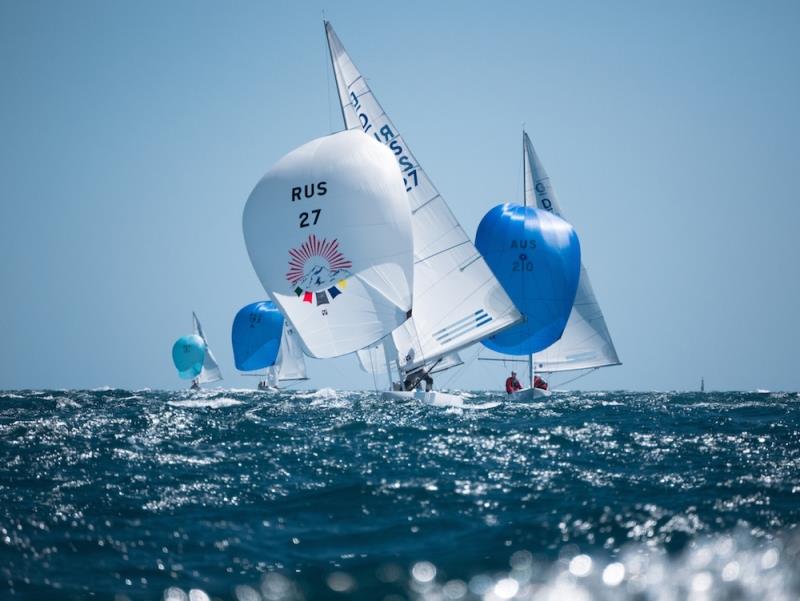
(231, 494)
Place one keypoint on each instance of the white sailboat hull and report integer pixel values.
(528, 394)
(434, 398)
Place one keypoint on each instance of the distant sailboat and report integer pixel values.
(457, 300)
(210, 372)
(328, 231)
(263, 339)
(193, 359)
(702, 385)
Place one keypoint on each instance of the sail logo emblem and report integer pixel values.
(318, 270)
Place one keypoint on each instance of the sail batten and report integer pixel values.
(585, 342)
(442, 249)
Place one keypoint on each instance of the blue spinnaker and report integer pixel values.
(188, 353)
(536, 257)
(256, 336)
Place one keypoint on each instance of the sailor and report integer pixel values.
(512, 384)
(539, 383)
(195, 385)
(416, 377)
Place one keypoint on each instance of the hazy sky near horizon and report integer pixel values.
(133, 133)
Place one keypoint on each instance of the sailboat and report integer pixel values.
(457, 299)
(536, 256)
(328, 232)
(193, 358)
(585, 343)
(263, 340)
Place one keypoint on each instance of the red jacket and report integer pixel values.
(539, 383)
(512, 384)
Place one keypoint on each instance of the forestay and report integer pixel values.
(328, 231)
(210, 371)
(457, 300)
(585, 342)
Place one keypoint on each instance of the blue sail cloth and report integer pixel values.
(256, 336)
(188, 353)
(536, 256)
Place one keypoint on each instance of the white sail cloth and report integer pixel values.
(372, 360)
(291, 363)
(457, 300)
(328, 231)
(585, 342)
(210, 371)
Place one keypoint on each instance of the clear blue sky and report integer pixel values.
(132, 134)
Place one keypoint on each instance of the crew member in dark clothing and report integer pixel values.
(512, 384)
(415, 377)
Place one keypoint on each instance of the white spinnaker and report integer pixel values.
(585, 342)
(457, 299)
(291, 361)
(328, 231)
(210, 371)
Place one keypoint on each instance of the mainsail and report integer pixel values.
(457, 300)
(210, 371)
(328, 231)
(585, 342)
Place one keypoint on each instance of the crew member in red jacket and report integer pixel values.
(539, 383)
(512, 383)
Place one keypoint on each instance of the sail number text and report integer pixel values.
(385, 135)
(309, 191)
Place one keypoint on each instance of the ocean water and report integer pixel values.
(231, 494)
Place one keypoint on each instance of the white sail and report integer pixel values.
(328, 231)
(372, 360)
(291, 364)
(585, 342)
(457, 300)
(210, 371)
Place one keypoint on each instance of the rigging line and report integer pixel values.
(457, 372)
(372, 369)
(583, 375)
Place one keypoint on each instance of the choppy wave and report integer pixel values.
(321, 494)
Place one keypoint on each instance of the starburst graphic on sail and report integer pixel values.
(318, 270)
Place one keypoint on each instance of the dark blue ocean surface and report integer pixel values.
(336, 495)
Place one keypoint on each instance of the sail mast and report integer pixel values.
(387, 358)
(525, 204)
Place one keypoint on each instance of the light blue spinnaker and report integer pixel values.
(188, 354)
